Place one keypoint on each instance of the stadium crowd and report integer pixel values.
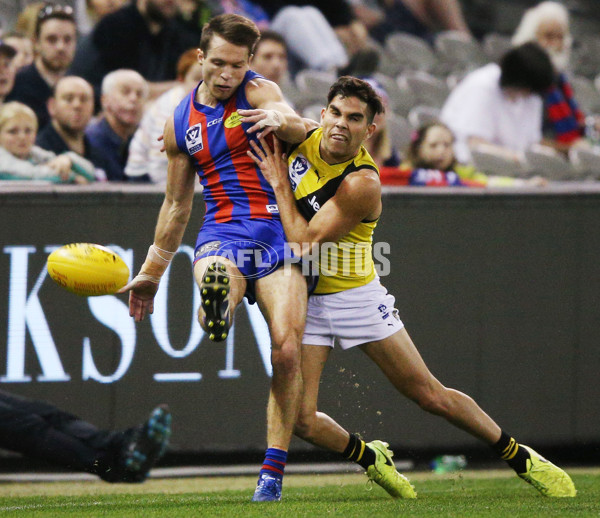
(102, 80)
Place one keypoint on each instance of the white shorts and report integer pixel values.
(355, 316)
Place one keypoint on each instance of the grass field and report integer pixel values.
(464, 494)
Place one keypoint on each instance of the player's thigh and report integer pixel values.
(237, 282)
(282, 298)
(401, 362)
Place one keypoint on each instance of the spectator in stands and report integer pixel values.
(54, 43)
(27, 19)
(548, 24)
(7, 69)
(71, 108)
(146, 161)
(246, 8)
(421, 18)
(322, 34)
(20, 159)
(193, 14)
(270, 57)
(124, 93)
(94, 11)
(500, 106)
(430, 161)
(24, 47)
(141, 36)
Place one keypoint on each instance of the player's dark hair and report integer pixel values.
(270, 35)
(233, 28)
(348, 86)
(527, 66)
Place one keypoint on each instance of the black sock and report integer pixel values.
(359, 452)
(512, 452)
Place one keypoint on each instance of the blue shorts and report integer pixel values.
(256, 246)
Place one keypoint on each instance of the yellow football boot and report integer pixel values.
(384, 472)
(547, 478)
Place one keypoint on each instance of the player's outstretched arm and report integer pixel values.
(271, 114)
(172, 221)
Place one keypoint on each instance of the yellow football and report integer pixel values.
(87, 269)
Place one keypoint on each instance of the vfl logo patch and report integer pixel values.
(193, 139)
(298, 168)
(234, 120)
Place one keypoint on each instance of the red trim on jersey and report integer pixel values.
(210, 173)
(245, 168)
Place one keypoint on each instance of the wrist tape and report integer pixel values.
(272, 119)
(157, 261)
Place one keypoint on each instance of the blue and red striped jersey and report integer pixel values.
(217, 142)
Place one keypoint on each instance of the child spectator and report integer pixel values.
(20, 159)
(430, 161)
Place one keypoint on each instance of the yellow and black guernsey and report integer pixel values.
(349, 262)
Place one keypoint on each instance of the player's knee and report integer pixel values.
(305, 425)
(433, 400)
(285, 359)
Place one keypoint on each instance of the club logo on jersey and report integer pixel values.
(193, 139)
(298, 168)
(235, 119)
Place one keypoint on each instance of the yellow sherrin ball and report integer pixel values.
(87, 269)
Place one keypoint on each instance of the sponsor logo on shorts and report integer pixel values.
(208, 247)
(193, 139)
(384, 311)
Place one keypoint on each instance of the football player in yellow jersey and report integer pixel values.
(334, 200)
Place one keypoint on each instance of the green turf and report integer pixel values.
(449, 496)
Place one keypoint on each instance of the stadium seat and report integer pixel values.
(490, 162)
(409, 52)
(400, 131)
(420, 115)
(314, 84)
(401, 98)
(427, 89)
(313, 111)
(585, 57)
(495, 45)
(459, 51)
(549, 163)
(586, 94)
(586, 161)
